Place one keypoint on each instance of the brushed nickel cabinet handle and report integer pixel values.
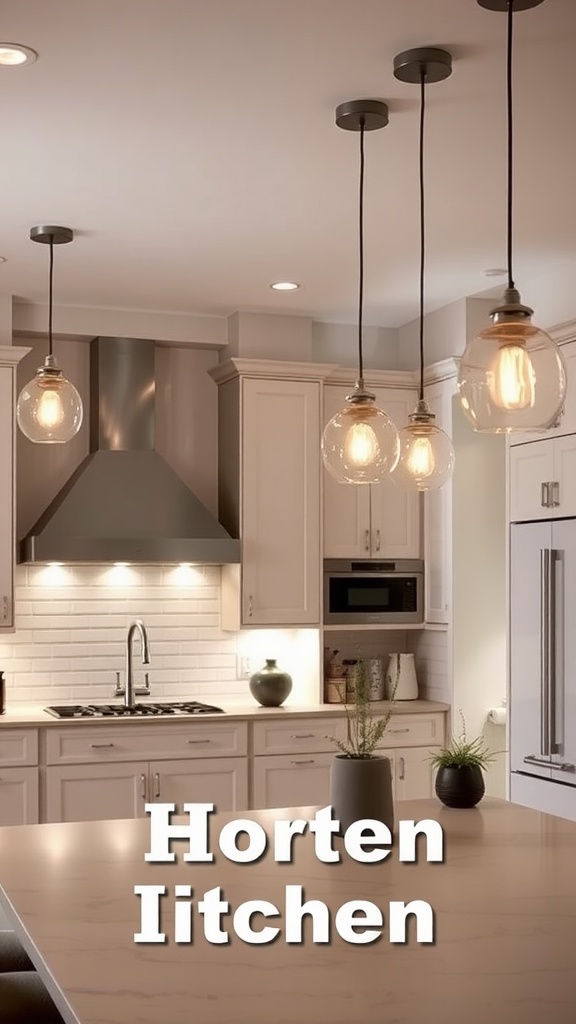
(377, 540)
(402, 773)
(198, 741)
(143, 790)
(5, 608)
(309, 760)
(250, 606)
(156, 784)
(400, 730)
(100, 746)
(544, 501)
(302, 735)
(555, 500)
(367, 540)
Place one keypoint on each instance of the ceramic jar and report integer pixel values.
(270, 686)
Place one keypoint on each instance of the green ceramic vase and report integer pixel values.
(270, 686)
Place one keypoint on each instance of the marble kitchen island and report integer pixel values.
(504, 904)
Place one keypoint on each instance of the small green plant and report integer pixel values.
(364, 732)
(461, 752)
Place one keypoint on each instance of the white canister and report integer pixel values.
(401, 675)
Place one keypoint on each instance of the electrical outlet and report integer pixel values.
(243, 666)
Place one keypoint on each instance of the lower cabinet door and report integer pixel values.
(18, 796)
(93, 792)
(220, 781)
(292, 780)
(413, 773)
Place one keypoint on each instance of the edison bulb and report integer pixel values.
(361, 446)
(49, 408)
(426, 456)
(360, 443)
(512, 378)
(50, 412)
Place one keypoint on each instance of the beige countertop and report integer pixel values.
(34, 715)
(504, 903)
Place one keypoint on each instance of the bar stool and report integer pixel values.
(13, 956)
(25, 1000)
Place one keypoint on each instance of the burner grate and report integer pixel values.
(189, 707)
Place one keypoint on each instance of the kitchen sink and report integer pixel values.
(189, 707)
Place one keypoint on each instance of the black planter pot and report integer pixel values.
(460, 786)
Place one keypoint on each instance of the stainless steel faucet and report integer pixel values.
(129, 689)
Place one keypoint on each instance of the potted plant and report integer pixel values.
(459, 779)
(360, 780)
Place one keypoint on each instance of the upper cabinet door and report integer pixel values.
(280, 447)
(438, 518)
(370, 520)
(395, 512)
(7, 547)
(346, 506)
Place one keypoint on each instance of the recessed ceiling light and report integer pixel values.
(13, 55)
(284, 286)
(494, 272)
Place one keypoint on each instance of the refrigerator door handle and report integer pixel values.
(545, 645)
(563, 766)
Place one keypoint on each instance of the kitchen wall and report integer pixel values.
(71, 624)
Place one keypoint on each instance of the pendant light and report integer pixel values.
(49, 408)
(511, 376)
(426, 452)
(360, 443)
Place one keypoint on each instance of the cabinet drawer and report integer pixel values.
(298, 735)
(107, 743)
(18, 746)
(414, 731)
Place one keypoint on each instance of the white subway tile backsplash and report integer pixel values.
(71, 624)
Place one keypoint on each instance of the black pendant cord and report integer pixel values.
(51, 275)
(361, 256)
(422, 228)
(509, 142)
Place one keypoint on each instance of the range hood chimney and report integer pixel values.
(124, 503)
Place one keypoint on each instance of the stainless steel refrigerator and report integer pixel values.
(542, 702)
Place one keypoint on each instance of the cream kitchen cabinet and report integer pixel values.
(269, 492)
(438, 517)
(371, 521)
(19, 803)
(413, 773)
(542, 479)
(291, 764)
(107, 772)
(9, 358)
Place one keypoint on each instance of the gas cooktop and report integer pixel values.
(189, 707)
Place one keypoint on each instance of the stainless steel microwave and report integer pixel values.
(373, 592)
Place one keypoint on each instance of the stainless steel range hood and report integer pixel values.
(124, 503)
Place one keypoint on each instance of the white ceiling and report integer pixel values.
(191, 146)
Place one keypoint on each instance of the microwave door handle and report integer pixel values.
(544, 652)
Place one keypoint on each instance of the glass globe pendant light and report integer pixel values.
(426, 453)
(360, 443)
(49, 408)
(511, 376)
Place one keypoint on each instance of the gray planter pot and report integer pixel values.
(361, 788)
